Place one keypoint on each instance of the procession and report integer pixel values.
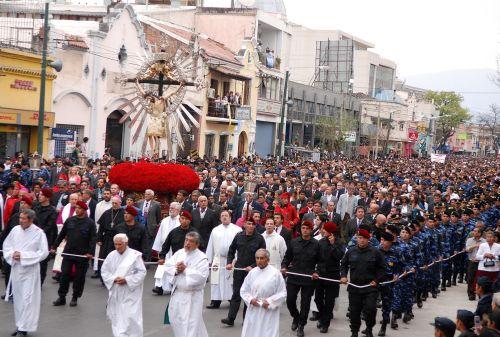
(249, 168)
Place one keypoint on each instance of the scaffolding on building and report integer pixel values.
(19, 24)
(334, 65)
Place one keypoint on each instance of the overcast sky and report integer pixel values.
(423, 36)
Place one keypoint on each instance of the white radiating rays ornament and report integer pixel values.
(157, 106)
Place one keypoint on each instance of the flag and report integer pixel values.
(166, 319)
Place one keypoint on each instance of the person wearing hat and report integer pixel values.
(465, 323)
(366, 266)
(433, 272)
(331, 252)
(393, 270)
(47, 220)
(136, 233)
(409, 252)
(301, 257)
(443, 327)
(458, 244)
(80, 234)
(446, 230)
(290, 214)
(484, 289)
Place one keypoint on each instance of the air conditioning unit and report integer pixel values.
(211, 93)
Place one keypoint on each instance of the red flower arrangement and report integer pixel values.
(164, 178)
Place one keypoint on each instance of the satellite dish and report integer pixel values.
(247, 3)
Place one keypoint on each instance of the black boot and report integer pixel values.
(295, 324)
(74, 302)
(60, 301)
(227, 322)
(394, 321)
(368, 332)
(443, 285)
(323, 329)
(434, 294)
(315, 316)
(158, 290)
(448, 283)
(406, 317)
(419, 301)
(424, 296)
(354, 334)
(454, 280)
(300, 331)
(460, 279)
(382, 330)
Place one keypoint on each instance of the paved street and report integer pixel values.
(88, 318)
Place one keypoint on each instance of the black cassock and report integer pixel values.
(107, 230)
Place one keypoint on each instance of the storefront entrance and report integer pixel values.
(13, 139)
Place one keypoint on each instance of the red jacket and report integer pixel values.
(290, 216)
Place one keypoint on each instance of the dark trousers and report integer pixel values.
(81, 266)
(362, 302)
(306, 292)
(386, 295)
(43, 269)
(324, 297)
(471, 277)
(234, 306)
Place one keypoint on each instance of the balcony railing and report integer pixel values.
(220, 110)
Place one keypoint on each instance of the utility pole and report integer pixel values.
(386, 148)
(378, 130)
(282, 116)
(43, 78)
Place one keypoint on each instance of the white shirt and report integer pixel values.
(485, 248)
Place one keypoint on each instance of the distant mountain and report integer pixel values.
(475, 85)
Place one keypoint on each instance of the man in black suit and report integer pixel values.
(331, 214)
(61, 197)
(339, 191)
(364, 199)
(283, 231)
(248, 202)
(348, 230)
(91, 203)
(372, 213)
(213, 189)
(56, 171)
(240, 188)
(384, 204)
(182, 199)
(204, 220)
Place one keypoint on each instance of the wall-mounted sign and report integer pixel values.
(63, 134)
(243, 113)
(350, 136)
(23, 85)
(412, 135)
(268, 107)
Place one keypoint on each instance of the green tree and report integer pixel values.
(331, 131)
(490, 122)
(451, 113)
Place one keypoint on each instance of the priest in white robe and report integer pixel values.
(170, 222)
(221, 288)
(189, 269)
(275, 244)
(263, 291)
(123, 273)
(24, 248)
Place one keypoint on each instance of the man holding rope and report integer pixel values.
(80, 234)
(367, 267)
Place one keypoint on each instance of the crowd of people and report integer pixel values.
(395, 231)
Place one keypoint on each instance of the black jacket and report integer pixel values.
(484, 305)
(330, 256)
(136, 238)
(80, 235)
(246, 246)
(204, 226)
(366, 265)
(287, 235)
(47, 218)
(175, 240)
(301, 257)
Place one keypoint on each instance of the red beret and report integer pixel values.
(364, 233)
(27, 199)
(285, 195)
(330, 227)
(187, 215)
(47, 192)
(308, 224)
(82, 205)
(131, 210)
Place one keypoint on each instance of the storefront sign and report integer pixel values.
(70, 146)
(23, 85)
(350, 136)
(31, 118)
(8, 118)
(63, 134)
(412, 135)
(268, 107)
(243, 113)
